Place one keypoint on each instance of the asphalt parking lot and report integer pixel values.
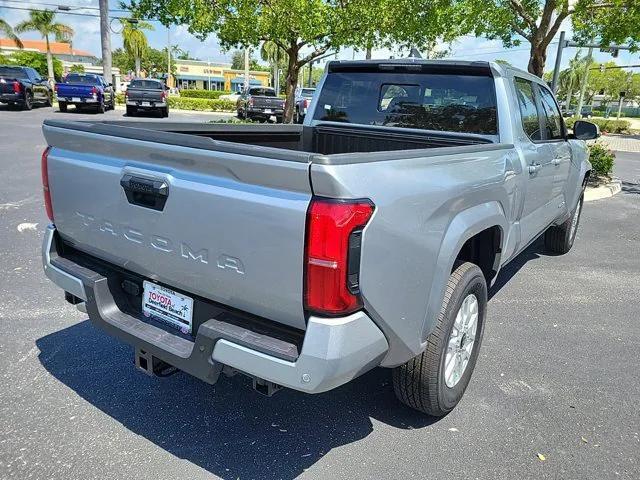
(557, 375)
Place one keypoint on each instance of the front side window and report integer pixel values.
(528, 109)
(552, 118)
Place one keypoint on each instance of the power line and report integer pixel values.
(61, 12)
(58, 5)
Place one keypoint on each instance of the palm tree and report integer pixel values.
(571, 78)
(275, 55)
(134, 40)
(42, 21)
(6, 30)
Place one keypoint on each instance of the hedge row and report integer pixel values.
(199, 104)
(210, 94)
(610, 125)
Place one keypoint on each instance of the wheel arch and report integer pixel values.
(483, 228)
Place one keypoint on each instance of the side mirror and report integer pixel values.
(585, 130)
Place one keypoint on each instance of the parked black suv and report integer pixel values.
(24, 86)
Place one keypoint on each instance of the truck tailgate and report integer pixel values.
(232, 227)
(71, 90)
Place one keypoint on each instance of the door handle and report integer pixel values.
(534, 167)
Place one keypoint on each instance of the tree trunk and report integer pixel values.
(367, 54)
(137, 66)
(291, 83)
(537, 59)
(49, 62)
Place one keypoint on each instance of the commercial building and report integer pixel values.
(64, 52)
(197, 74)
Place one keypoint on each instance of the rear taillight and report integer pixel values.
(94, 91)
(44, 168)
(17, 87)
(163, 96)
(306, 103)
(55, 87)
(334, 234)
(126, 93)
(251, 102)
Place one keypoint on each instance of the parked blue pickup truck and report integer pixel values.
(83, 90)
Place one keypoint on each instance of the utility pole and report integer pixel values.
(168, 56)
(556, 68)
(585, 79)
(246, 69)
(105, 40)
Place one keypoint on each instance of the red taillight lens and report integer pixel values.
(126, 93)
(334, 230)
(94, 91)
(17, 88)
(306, 103)
(44, 167)
(251, 101)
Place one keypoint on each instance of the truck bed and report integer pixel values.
(327, 138)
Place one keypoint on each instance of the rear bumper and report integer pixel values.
(334, 350)
(79, 101)
(11, 97)
(152, 104)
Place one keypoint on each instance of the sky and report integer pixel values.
(87, 37)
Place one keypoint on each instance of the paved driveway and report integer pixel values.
(557, 375)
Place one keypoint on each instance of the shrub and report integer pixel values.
(610, 125)
(210, 94)
(601, 160)
(202, 104)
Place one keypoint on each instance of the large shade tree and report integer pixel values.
(304, 29)
(43, 22)
(538, 21)
(7, 31)
(135, 41)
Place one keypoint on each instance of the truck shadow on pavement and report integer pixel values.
(226, 429)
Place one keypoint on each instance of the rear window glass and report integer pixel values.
(307, 92)
(442, 102)
(11, 72)
(263, 92)
(150, 84)
(88, 79)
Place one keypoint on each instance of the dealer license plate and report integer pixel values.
(146, 104)
(76, 99)
(167, 306)
(268, 110)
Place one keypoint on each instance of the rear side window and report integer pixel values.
(552, 118)
(148, 84)
(427, 101)
(528, 109)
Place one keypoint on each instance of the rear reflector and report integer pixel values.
(332, 263)
(44, 168)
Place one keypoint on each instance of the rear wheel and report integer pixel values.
(101, 107)
(49, 102)
(130, 111)
(28, 101)
(62, 106)
(165, 112)
(434, 381)
(559, 239)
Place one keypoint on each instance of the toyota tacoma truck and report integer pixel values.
(147, 94)
(306, 255)
(260, 103)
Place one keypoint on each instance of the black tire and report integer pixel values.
(49, 102)
(62, 106)
(101, 108)
(241, 114)
(420, 383)
(165, 112)
(130, 111)
(559, 239)
(28, 101)
(296, 117)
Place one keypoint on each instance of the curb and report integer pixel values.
(603, 191)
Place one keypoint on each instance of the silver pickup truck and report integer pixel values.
(305, 255)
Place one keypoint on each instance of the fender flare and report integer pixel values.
(462, 227)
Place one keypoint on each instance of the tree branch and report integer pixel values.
(519, 8)
(313, 55)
